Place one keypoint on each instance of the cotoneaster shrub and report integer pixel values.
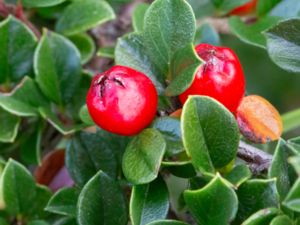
(137, 112)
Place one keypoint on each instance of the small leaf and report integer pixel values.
(255, 195)
(82, 15)
(143, 156)
(292, 200)
(86, 154)
(264, 6)
(280, 169)
(182, 169)
(18, 189)
(283, 44)
(9, 125)
(262, 217)
(215, 198)
(282, 220)
(64, 202)
(17, 44)
(167, 222)
(238, 175)
(43, 194)
(252, 34)
(138, 16)
(85, 116)
(86, 46)
(41, 3)
(149, 202)
(207, 34)
(24, 100)
(101, 201)
(170, 129)
(210, 133)
(107, 52)
(258, 120)
(57, 67)
(295, 162)
(184, 66)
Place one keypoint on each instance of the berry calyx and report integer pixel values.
(220, 77)
(122, 100)
(245, 9)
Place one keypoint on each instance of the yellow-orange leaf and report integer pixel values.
(258, 120)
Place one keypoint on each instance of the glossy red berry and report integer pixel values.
(220, 77)
(245, 9)
(122, 100)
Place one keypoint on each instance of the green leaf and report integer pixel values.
(262, 217)
(291, 120)
(57, 67)
(252, 34)
(143, 156)
(184, 66)
(216, 198)
(24, 100)
(167, 222)
(86, 154)
(82, 15)
(286, 9)
(238, 175)
(182, 169)
(64, 202)
(101, 201)
(107, 52)
(149, 202)
(66, 221)
(264, 6)
(17, 44)
(138, 16)
(86, 46)
(18, 189)
(207, 34)
(41, 3)
(170, 128)
(280, 169)
(210, 133)
(226, 6)
(43, 194)
(295, 162)
(292, 200)
(281, 220)
(283, 44)
(9, 125)
(255, 195)
(85, 116)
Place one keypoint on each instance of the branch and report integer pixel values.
(258, 160)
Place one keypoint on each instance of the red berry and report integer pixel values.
(245, 9)
(122, 100)
(220, 77)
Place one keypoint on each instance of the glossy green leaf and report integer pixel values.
(225, 6)
(295, 162)
(262, 217)
(57, 67)
(41, 3)
(101, 201)
(182, 169)
(294, 145)
(106, 52)
(17, 44)
(143, 156)
(17, 187)
(217, 197)
(210, 133)
(85, 116)
(82, 15)
(86, 46)
(207, 34)
(292, 200)
(255, 195)
(283, 44)
(238, 175)
(252, 34)
(286, 9)
(86, 154)
(138, 16)
(149, 202)
(170, 128)
(264, 6)
(24, 100)
(280, 169)
(64, 202)
(9, 125)
(43, 194)
(184, 66)
(167, 222)
(282, 220)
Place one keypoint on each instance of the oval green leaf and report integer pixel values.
(262, 217)
(41, 3)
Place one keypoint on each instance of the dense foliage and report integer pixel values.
(189, 167)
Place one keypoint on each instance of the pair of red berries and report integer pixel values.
(124, 101)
